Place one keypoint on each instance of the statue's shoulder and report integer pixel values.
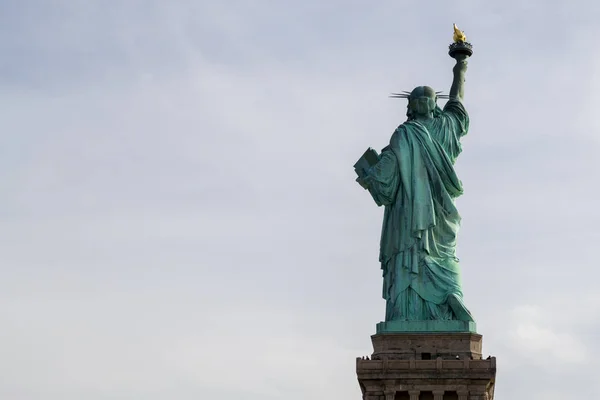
(398, 132)
(406, 125)
(454, 105)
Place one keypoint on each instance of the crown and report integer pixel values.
(406, 95)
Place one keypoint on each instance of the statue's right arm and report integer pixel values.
(457, 90)
(454, 110)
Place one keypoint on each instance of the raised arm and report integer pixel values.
(457, 90)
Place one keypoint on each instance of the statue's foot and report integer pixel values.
(459, 309)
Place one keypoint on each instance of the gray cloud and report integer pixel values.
(180, 217)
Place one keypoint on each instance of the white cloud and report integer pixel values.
(532, 336)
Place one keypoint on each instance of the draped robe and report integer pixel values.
(416, 182)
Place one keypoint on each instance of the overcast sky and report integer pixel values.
(179, 217)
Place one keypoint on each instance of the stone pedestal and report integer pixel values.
(427, 366)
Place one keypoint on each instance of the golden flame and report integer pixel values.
(459, 36)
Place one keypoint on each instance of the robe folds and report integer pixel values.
(416, 182)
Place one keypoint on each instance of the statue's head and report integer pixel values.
(421, 102)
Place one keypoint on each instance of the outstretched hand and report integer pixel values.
(460, 57)
(461, 64)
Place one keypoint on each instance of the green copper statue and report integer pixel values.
(414, 179)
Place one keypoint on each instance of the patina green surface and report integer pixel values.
(415, 180)
(426, 326)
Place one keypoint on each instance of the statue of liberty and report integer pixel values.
(414, 179)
